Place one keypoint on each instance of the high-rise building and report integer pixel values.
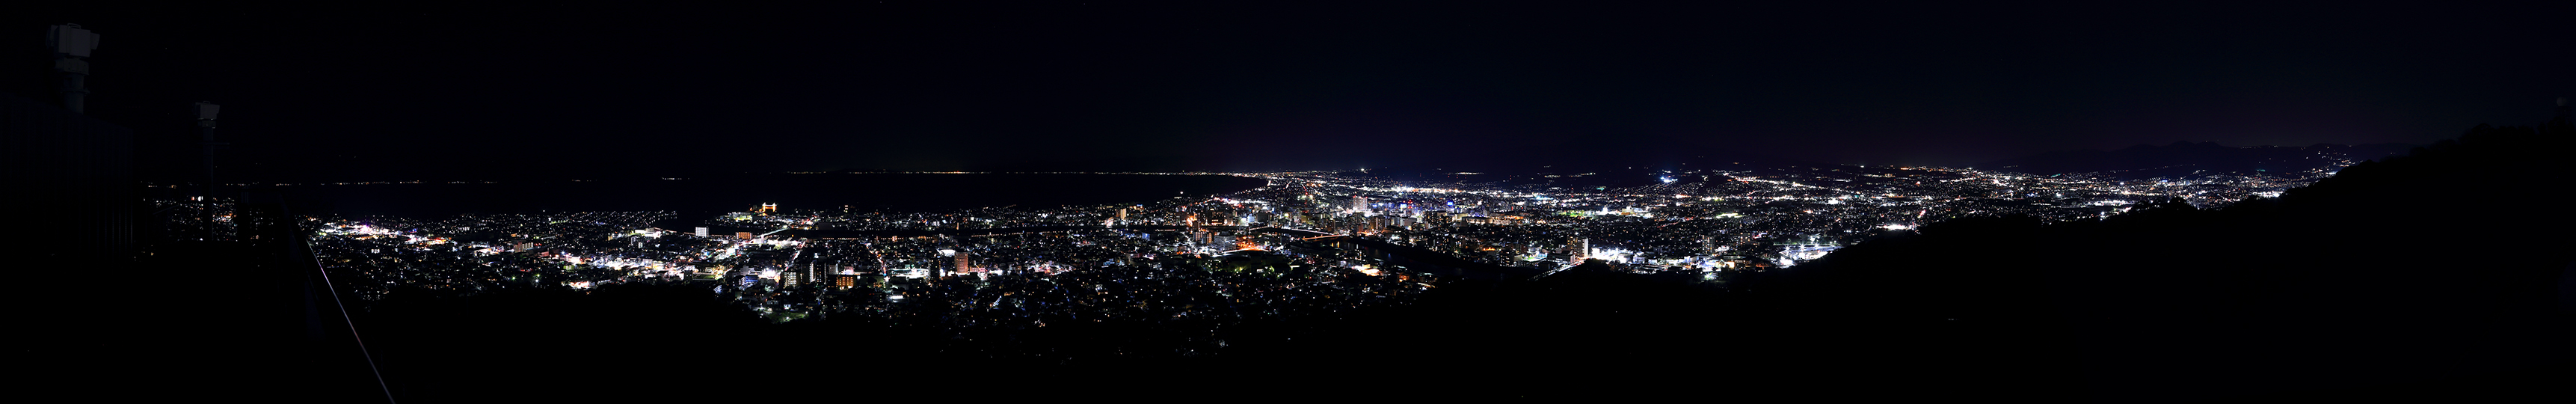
(1577, 249)
(961, 261)
(1359, 203)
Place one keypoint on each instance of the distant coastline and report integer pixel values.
(884, 192)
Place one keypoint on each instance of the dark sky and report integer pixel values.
(441, 91)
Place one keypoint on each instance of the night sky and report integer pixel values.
(437, 91)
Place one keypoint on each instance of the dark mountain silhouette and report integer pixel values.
(2422, 276)
(2182, 159)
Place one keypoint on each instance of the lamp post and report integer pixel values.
(71, 45)
(206, 131)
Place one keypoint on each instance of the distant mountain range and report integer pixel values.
(2187, 158)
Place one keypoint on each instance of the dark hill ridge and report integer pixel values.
(2182, 159)
(2349, 288)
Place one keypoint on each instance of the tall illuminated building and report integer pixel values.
(961, 261)
(1359, 203)
(1579, 248)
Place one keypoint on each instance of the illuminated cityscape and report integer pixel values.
(1299, 201)
(1274, 250)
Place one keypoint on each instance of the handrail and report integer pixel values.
(344, 308)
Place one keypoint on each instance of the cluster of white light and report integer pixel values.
(1804, 253)
(334, 228)
(1609, 254)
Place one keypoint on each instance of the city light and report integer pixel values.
(1700, 224)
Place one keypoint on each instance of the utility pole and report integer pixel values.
(206, 131)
